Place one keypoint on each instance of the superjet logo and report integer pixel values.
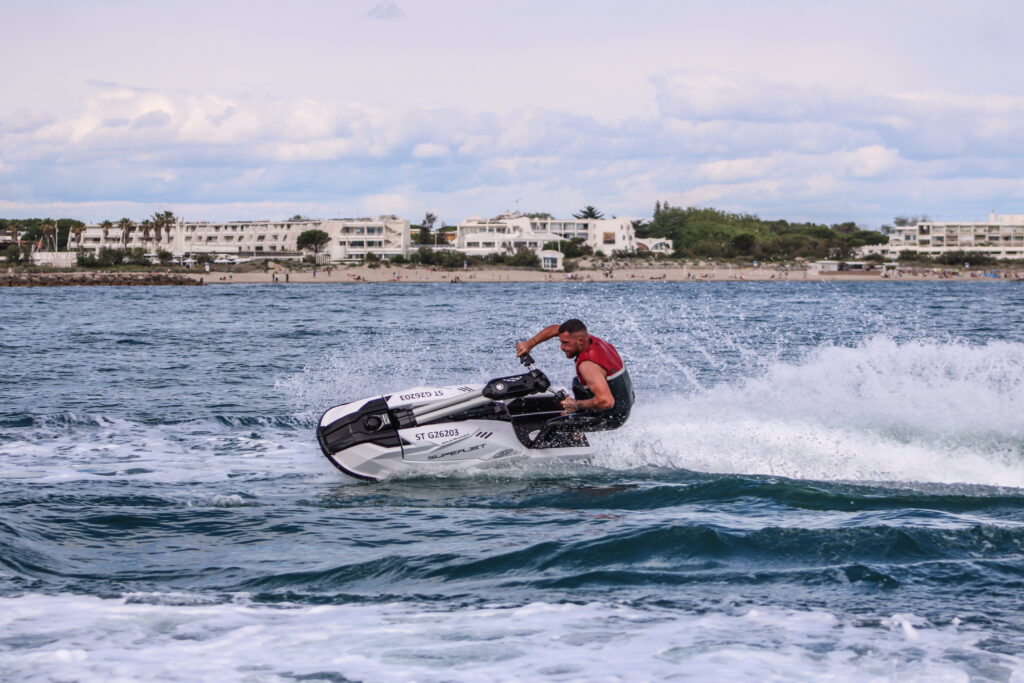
(438, 456)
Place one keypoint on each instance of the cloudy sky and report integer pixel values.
(807, 110)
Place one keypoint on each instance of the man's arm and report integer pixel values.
(597, 382)
(549, 332)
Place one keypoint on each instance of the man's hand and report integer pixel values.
(570, 405)
(549, 332)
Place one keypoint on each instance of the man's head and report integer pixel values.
(573, 337)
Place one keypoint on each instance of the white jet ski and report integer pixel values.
(432, 428)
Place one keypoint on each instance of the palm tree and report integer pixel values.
(146, 225)
(589, 212)
(169, 222)
(106, 225)
(163, 220)
(78, 229)
(48, 229)
(126, 226)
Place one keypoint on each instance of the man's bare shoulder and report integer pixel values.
(588, 366)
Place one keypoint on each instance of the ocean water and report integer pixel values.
(820, 481)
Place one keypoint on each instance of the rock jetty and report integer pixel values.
(94, 279)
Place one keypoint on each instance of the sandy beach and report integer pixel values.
(667, 273)
(362, 274)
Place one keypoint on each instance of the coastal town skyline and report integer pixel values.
(799, 111)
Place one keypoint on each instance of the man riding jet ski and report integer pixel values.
(602, 390)
(432, 428)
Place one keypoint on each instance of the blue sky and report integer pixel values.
(811, 110)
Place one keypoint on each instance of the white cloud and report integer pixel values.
(386, 203)
(739, 143)
(429, 150)
(736, 169)
(868, 162)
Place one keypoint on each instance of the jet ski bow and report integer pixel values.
(433, 428)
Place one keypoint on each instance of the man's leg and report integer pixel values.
(566, 430)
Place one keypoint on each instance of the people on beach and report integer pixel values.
(602, 389)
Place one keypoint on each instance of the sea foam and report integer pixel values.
(882, 410)
(82, 638)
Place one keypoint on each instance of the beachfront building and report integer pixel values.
(550, 259)
(604, 235)
(509, 232)
(354, 238)
(1001, 236)
(9, 238)
(350, 238)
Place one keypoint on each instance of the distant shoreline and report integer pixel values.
(411, 275)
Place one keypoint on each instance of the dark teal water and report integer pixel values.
(819, 481)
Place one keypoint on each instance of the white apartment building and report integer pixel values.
(354, 238)
(1001, 236)
(350, 238)
(600, 234)
(509, 232)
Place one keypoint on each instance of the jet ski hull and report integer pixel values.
(431, 429)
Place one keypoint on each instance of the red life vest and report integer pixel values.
(602, 353)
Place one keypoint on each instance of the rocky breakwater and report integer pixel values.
(15, 279)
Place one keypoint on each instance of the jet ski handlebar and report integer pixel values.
(527, 360)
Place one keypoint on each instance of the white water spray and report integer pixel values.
(920, 411)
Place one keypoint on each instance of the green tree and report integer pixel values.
(426, 228)
(110, 257)
(64, 229)
(424, 236)
(905, 221)
(48, 229)
(137, 257)
(744, 243)
(912, 255)
(571, 248)
(524, 258)
(589, 212)
(13, 254)
(313, 239)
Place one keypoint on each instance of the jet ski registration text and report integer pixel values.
(442, 434)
